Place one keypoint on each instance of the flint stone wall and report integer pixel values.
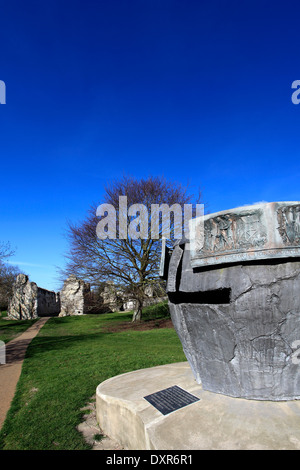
(30, 301)
(72, 297)
(112, 298)
(115, 300)
(239, 323)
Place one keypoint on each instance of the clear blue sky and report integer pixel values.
(198, 91)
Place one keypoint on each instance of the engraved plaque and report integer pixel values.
(171, 399)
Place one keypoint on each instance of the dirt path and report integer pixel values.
(11, 370)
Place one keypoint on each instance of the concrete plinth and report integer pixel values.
(215, 422)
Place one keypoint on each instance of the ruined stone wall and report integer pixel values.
(48, 302)
(72, 297)
(117, 300)
(112, 298)
(30, 301)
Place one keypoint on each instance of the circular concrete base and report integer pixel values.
(215, 422)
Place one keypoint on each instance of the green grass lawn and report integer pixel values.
(63, 366)
(9, 329)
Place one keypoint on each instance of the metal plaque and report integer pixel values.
(171, 399)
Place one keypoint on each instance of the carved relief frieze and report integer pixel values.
(289, 224)
(260, 231)
(229, 232)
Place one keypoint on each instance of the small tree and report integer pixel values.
(130, 262)
(8, 274)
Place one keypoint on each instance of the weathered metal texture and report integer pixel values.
(239, 323)
(260, 231)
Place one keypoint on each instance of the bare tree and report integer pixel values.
(130, 262)
(5, 251)
(8, 274)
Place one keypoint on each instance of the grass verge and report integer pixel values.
(64, 364)
(10, 329)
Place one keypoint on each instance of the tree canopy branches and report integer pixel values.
(130, 262)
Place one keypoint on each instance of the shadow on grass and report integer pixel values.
(47, 343)
(27, 348)
(16, 324)
(10, 329)
(69, 335)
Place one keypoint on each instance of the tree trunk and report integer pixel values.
(137, 314)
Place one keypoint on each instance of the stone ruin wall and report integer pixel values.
(48, 302)
(30, 301)
(73, 296)
(115, 300)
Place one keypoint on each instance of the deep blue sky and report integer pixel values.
(199, 91)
